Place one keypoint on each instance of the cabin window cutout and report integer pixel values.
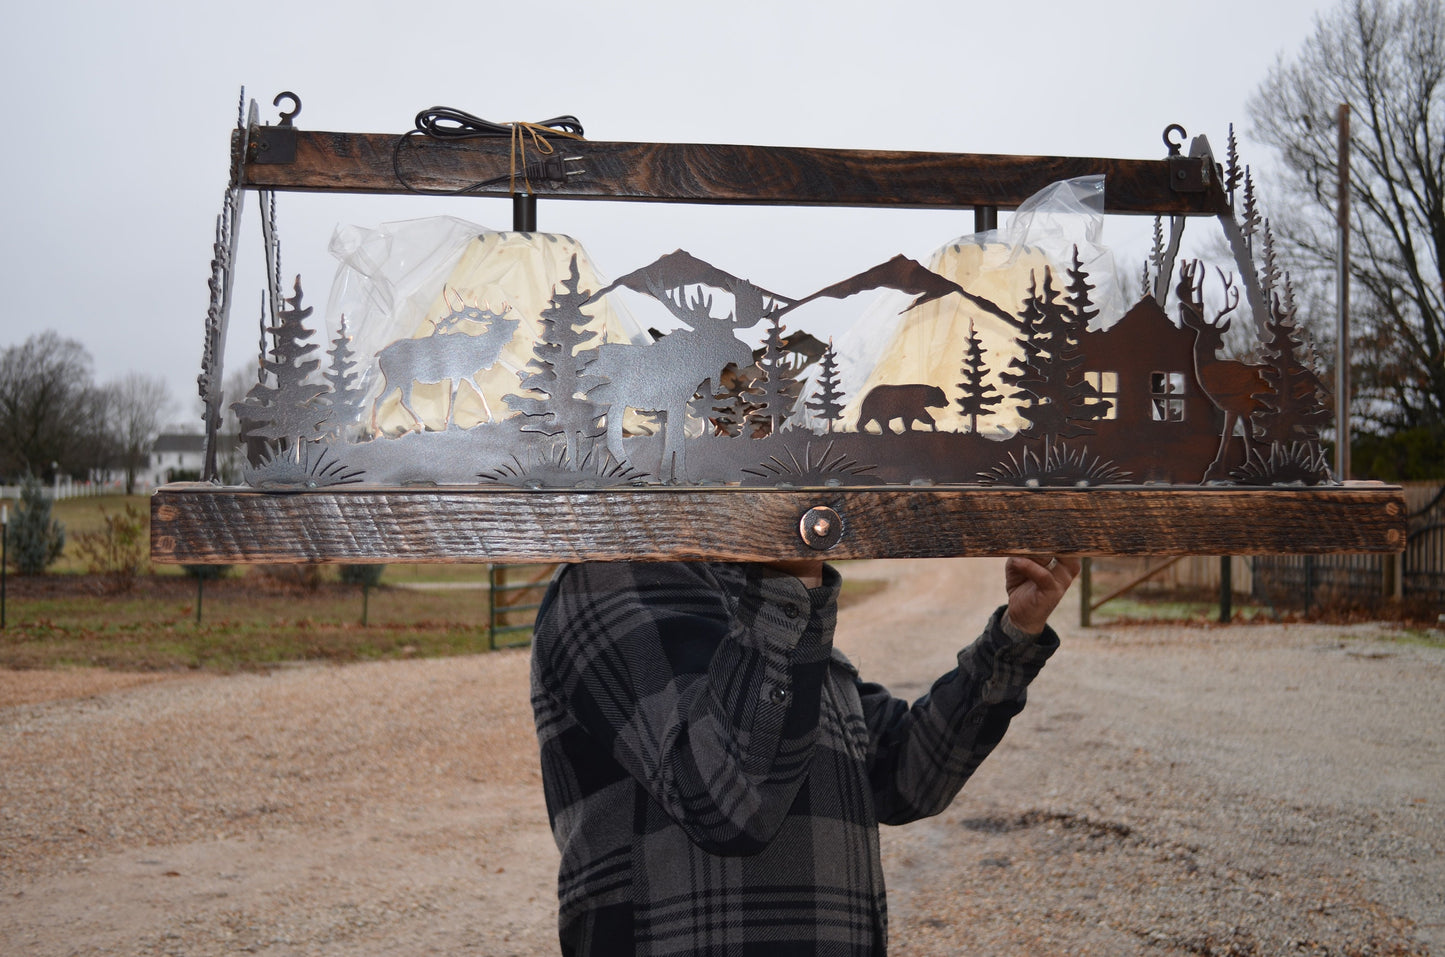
(1106, 387)
(1166, 393)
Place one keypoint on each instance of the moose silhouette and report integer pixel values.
(663, 377)
(446, 355)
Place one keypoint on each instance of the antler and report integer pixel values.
(691, 310)
(482, 315)
(1231, 297)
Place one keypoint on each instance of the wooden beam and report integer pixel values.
(201, 523)
(723, 174)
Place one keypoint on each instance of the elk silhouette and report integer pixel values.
(664, 376)
(446, 355)
(1234, 387)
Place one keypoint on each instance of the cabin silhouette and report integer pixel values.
(1162, 426)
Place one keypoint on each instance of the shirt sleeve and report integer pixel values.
(924, 753)
(702, 681)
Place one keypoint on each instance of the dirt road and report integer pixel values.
(1249, 790)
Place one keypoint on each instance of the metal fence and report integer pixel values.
(516, 595)
(1423, 572)
(1417, 576)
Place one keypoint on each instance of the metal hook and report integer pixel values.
(1173, 146)
(295, 100)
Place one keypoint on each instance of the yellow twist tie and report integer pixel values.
(521, 132)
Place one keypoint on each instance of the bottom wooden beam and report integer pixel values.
(207, 524)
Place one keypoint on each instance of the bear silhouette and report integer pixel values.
(910, 402)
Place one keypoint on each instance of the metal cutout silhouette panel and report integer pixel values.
(1141, 401)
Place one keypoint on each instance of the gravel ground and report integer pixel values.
(1246, 790)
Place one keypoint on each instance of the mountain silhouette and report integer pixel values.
(680, 268)
(905, 275)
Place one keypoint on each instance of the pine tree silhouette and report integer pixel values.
(1083, 399)
(1021, 374)
(344, 403)
(979, 396)
(1249, 222)
(778, 388)
(1231, 166)
(1295, 406)
(827, 404)
(286, 413)
(730, 405)
(1055, 399)
(559, 372)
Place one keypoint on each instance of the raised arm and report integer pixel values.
(923, 753)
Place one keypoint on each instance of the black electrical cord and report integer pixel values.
(443, 122)
(446, 123)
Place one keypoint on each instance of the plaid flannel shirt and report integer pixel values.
(715, 771)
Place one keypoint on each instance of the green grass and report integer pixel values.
(1425, 637)
(242, 626)
(1133, 609)
(81, 515)
(248, 620)
(1162, 609)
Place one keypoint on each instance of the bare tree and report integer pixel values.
(1386, 59)
(48, 408)
(137, 405)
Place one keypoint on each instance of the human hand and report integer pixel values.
(1035, 589)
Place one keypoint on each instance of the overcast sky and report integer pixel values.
(119, 117)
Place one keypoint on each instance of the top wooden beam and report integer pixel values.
(720, 174)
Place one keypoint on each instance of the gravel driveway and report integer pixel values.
(1245, 790)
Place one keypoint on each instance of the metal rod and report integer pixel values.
(524, 212)
(985, 218)
(1342, 290)
(1226, 589)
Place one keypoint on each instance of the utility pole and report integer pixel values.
(1342, 291)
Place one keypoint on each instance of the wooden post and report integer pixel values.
(1086, 589)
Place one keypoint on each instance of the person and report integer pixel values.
(715, 771)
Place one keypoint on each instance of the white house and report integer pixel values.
(174, 452)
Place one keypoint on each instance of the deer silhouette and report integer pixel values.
(1232, 386)
(663, 377)
(446, 355)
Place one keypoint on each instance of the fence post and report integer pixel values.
(1086, 589)
(1309, 584)
(1226, 589)
(4, 556)
(491, 608)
